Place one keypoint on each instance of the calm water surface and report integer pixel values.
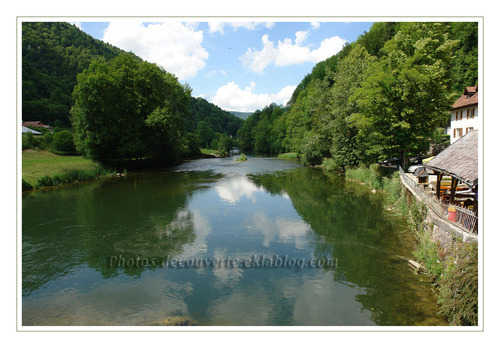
(100, 253)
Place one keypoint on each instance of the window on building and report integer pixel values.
(461, 114)
(457, 132)
(472, 113)
(467, 113)
(468, 129)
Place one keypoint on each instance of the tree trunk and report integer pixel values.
(404, 160)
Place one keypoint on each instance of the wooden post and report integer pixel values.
(475, 199)
(454, 182)
(438, 190)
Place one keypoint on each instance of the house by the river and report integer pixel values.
(464, 114)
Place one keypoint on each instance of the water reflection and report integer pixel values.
(264, 207)
(233, 189)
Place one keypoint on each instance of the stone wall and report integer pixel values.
(441, 231)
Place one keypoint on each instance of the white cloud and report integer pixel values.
(213, 73)
(172, 45)
(301, 36)
(234, 189)
(287, 52)
(315, 25)
(214, 27)
(232, 97)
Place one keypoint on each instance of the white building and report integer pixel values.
(464, 114)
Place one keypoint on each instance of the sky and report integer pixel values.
(239, 66)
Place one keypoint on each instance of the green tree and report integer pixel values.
(225, 144)
(63, 141)
(129, 109)
(347, 146)
(205, 134)
(406, 95)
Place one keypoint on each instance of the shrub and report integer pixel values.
(25, 142)
(313, 151)
(369, 175)
(331, 165)
(458, 286)
(30, 141)
(427, 253)
(69, 176)
(26, 186)
(63, 141)
(393, 188)
(214, 144)
(242, 157)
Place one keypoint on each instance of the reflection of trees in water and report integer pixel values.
(350, 224)
(142, 215)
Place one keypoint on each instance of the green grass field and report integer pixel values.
(38, 163)
(208, 151)
(288, 155)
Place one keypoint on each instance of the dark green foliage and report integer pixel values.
(52, 55)
(63, 141)
(70, 176)
(377, 36)
(190, 146)
(127, 109)
(42, 142)
(263, 131)
(314, 150)
(406, 94)
(319, 72)
(225, 144)
(382, 96)
(26, 186)
(218, 120)
(204, 134)
(465, 65)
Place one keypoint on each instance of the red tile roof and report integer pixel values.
(34, 124)
(469, 97)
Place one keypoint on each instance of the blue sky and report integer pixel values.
(239, 66)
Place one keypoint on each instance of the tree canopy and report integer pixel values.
(129, 109)
(53, 53)
(382, 96)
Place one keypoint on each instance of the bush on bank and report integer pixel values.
(70, 176)
(455, 274)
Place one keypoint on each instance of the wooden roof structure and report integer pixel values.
(468, 98)
(459, 160)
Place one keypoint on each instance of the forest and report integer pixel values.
(66, 78)
(386, 95)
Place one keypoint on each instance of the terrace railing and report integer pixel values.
(464, 218)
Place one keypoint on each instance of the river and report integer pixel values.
(264, 242)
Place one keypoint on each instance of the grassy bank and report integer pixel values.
(288, 155)
(454, 273)
(207, 151)
(42, 168)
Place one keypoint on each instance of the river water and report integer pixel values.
(262, 242)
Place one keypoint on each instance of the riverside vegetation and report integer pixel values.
(454, 273)
(156, 121)
(385, 95)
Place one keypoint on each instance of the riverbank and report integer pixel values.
(454, 272)
(41, 168)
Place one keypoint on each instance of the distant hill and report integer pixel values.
(219, 120)
(242, 115)
(54, 53)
